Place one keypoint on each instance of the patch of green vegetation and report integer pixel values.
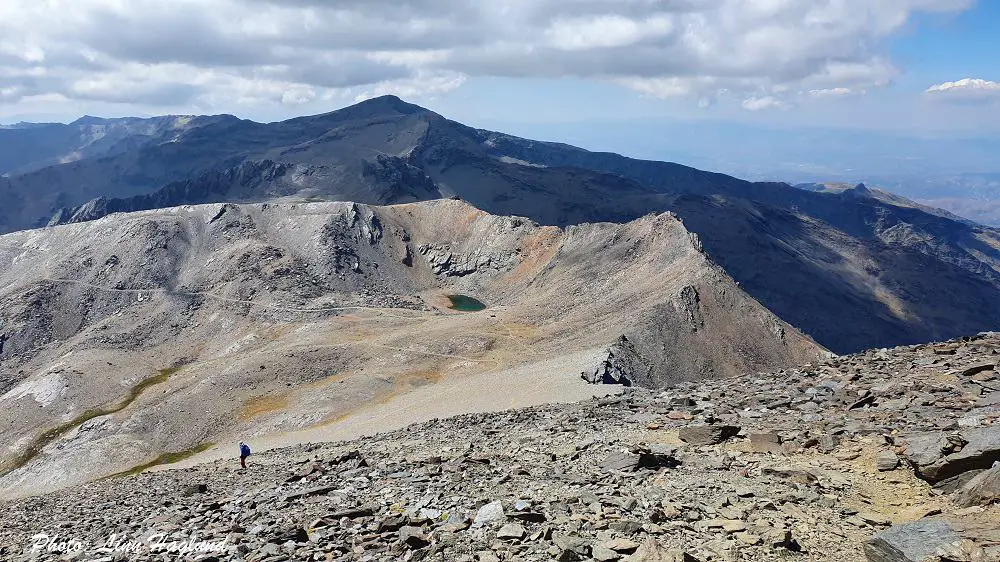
(464, 303)
(50, 435)
(165, 458)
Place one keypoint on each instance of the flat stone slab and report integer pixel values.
(912, 542)
(706, 434)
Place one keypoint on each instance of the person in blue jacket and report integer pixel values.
(244, 453)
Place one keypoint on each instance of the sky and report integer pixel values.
(622, 75)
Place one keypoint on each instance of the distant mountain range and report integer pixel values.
(854, 268)
(948, 169)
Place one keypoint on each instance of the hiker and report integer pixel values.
(244, 453)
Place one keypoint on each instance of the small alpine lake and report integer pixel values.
(465, 303)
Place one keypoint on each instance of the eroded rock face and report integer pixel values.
(447, 263)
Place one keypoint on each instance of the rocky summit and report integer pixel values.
(886, 456)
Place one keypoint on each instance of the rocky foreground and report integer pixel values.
(886, 456)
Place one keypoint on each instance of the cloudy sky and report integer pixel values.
(574, 70)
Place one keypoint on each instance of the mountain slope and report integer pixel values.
(851, 270)
(775, 466)
(159, 332)
(29, 147)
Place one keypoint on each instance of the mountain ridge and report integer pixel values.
(891, 271)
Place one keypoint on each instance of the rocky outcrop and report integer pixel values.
(622, 365)
(689, 302)
(447, 263)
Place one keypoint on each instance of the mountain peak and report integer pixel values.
(382, 106)
(390, 101)
(859, 191)
(90, 120)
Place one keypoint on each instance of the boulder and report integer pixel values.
(621, 545)
(955, 483)
(706, 434)
(309, 492)
(652, 456)
(511, 531)
(413, 537)
(976, 368)
(603, 554)
(912, 542)
(571, 547)
(982, 489)
(938, 456)
(353, 512)
(886, 461)
(765, 442)
(620, 461)
(488, 513)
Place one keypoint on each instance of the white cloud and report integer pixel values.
(831, 92)
(967, 90)
(293, 51)
(761, 103)
(669, 87)
(607, 31)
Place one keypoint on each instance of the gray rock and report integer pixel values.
(315, 491)
(706, 434)
(620, 461)
(413, 537)
(955, 483)
(982, 489)
(912, 542)
(489, 513)
(976, 368)
(602, 554)
(938, 456)
(886, 461)
(571, 543)
(765, 442)
(511, 531)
